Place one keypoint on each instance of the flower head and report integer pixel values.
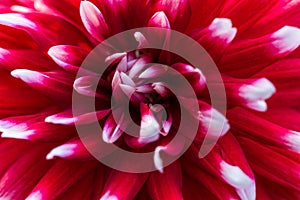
(49, 58)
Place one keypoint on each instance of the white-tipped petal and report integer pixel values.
(158, 162)
(150, 128)
(214, 122)
(37, 195)
(127, 89)
(140, 38)
(256, 93)
(28, 76)
(62, 151)
(293, 140)
(93, 20)
(234, 176)
(222, 28)
(287, 39)
(126, 79)
(154, 71)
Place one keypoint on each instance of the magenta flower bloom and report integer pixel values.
(255, 145)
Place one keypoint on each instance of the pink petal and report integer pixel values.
(112, 129)
(68, 57)
(271, 164)
(93, 20)
(159, 19)
(176, 11)
(153, 71)
(88, 86)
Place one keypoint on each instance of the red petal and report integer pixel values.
(13, 92)
(22, 176)
(125, 189)
(276, 46)
(159, 19)
(37, 26)
(271, 164)
(59, 178)
(67, 117)
(171, 180)
(12, 59)
(68, 57)
(250, 125)
(55, 84)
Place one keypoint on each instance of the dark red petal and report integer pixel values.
(247, 53)
(55, 84)
(17, 98)
(270, 164)
(166, 185)
(24, 174)
(259, 129)
(59, 178)
(121, 185)
(68, 57)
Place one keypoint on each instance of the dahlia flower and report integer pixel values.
(47, 61)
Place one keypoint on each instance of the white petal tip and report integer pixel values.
(17, 135)
(293, 141)
(63, 151)
(54, 119)
(222, 28)
(37, 195)
(256, 93)
(287, 39)
(158, 162)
